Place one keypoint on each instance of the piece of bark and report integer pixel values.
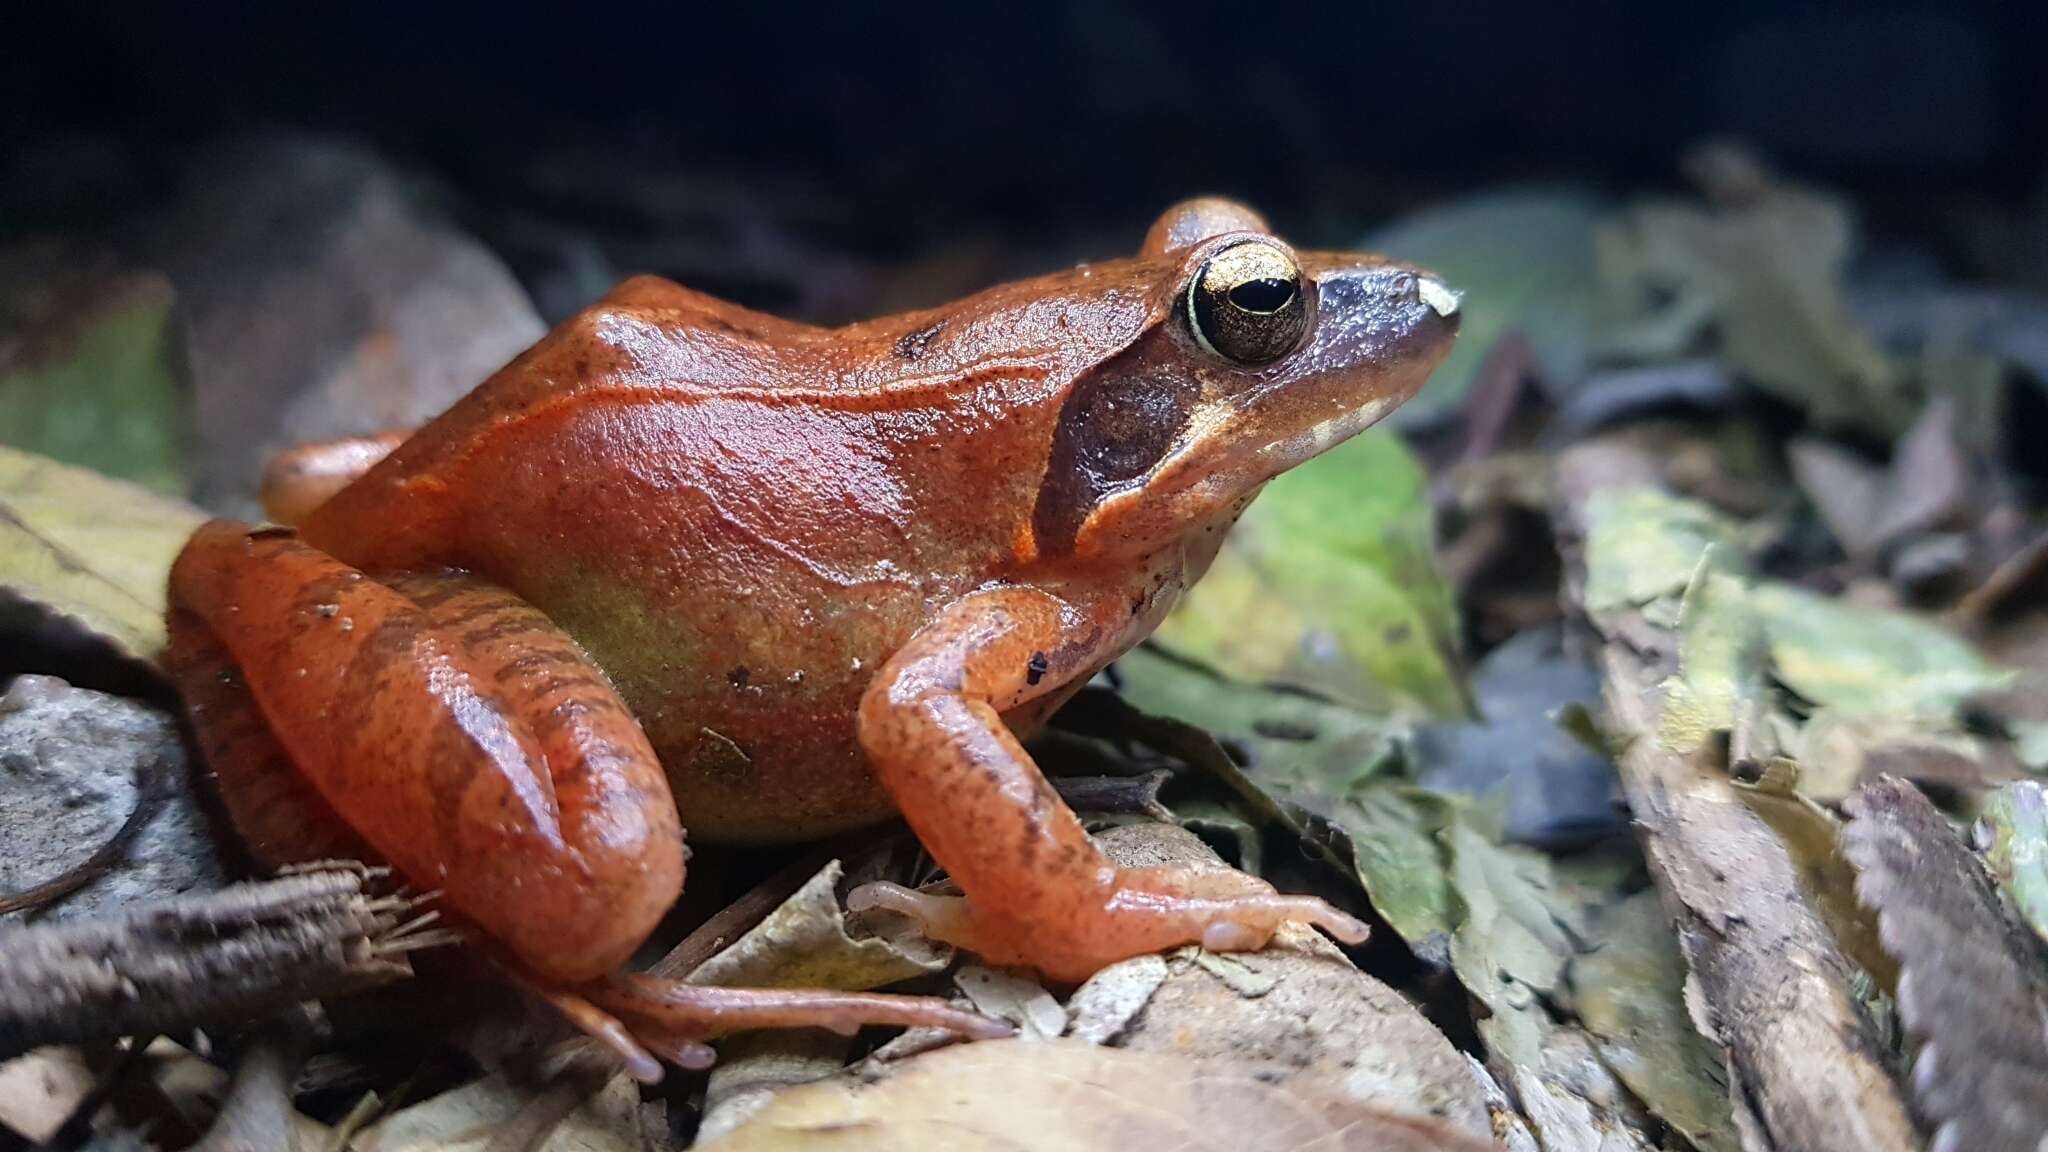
(1773, 986)
(235, 954)
(1974, 992)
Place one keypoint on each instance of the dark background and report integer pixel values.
(920, 121)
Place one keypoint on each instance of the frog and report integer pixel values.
(686, 561)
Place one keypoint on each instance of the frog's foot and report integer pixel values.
(1135, 911)
(645, 1017)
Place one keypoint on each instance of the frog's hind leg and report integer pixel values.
(451, 730)
(300, 479)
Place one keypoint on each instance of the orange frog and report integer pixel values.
(797, 578)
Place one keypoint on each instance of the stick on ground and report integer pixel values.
(231, 955)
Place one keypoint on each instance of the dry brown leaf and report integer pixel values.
(1067, 1096)
(92, 551)
(804, 944)
(1973, 991)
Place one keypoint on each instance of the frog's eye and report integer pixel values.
(1245, 303)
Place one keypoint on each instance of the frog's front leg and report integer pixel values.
(457, 733)
(1038, 892)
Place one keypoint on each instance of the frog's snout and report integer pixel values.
(1441, 298)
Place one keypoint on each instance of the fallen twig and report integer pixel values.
(228, 955)
(1773, 985)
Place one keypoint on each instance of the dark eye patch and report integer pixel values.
(1113, 429)
(1120, 432)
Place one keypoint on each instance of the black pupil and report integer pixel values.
(1267, 294)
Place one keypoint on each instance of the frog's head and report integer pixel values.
(1254, 358)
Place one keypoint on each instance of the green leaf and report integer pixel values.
(1756, 278)
(1863, 660)
(1629, 988)
(1327, 583)
(104, 392)
(1327, 773)
(1524, 260)
(1643, 544)
(1721, 662)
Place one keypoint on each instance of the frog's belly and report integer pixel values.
(801, 778)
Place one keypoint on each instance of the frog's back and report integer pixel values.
(738, 517)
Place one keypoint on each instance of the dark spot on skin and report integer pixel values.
(738, 676)
(1034, 669)
(272, 533)
(1398, 634)
(1284, 729)
(913, 344)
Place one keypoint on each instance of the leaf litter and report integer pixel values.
(1302, 712)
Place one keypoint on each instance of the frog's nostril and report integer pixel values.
(1441, 299)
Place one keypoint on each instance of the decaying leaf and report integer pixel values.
(1973, 987)
(1858, 659)
(92, 551)
(1645, 545)
(1754, 276)
(1629, 988)
(804, 944)
(2013, 832)
(1327, 583)
(1067, 1096)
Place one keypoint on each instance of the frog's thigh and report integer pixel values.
(453, 728)
(1038, 891)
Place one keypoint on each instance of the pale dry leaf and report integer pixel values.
(89, 550)
(804, 943)
(1973, 990)
(464, 1119)
(39, 1091)
(1067, 1096)
(1021, 1001)
(1100, 1010)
